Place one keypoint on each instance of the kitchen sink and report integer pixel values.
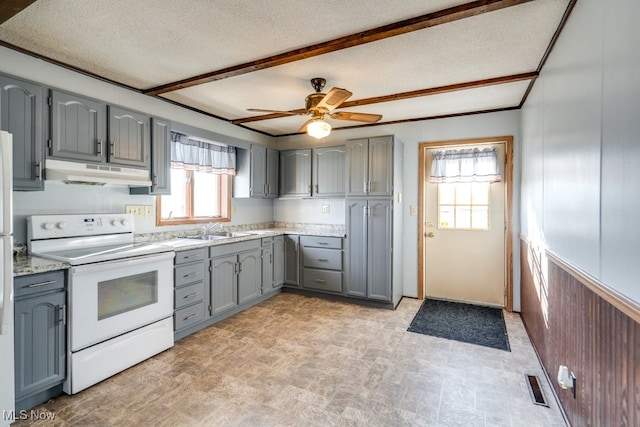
(224, 235)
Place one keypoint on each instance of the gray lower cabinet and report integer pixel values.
(21, 113)
(190, 289)
(368, 249)
(236, 274)
(322, 263)
(40, 351)
(291, 260)
(278, 261)
(272, 263)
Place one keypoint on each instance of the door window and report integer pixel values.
(463, 206)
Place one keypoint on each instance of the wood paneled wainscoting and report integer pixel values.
(576, 321)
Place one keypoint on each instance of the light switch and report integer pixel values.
(325, 209)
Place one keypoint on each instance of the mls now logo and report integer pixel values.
(28, 415)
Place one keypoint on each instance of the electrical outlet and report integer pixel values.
(130, 209)
(326, 209)
(148, 211)
(413, 210)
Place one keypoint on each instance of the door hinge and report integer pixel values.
(49, 100)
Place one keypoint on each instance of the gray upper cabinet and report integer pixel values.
(368, 249)
(369, 167)
(128, 137)
(273, 161)
(329, 171)
(21, 112)
(256, 173)
(77, 127)
(295, 173)
(160, 159)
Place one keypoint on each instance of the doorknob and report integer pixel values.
(431, 234)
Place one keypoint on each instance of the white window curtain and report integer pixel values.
(193, 154)
(466, 165)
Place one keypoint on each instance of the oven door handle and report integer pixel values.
(123, 262)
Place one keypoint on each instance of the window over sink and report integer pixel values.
(201, 174)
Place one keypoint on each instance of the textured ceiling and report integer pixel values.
(147, 43)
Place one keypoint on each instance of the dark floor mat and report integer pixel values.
(468, 323)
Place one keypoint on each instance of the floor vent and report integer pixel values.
(535, 391)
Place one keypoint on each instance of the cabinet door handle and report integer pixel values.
(191, 295)
(38, 172)
(154, 180)
(316, 188)
(62, 314)
(99, 147)
(112, 146)
(191, 316)
(37, 285)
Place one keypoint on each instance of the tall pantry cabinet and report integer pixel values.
(373, 246)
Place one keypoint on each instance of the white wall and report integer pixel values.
(412, 134)
(62, 198)
(580, 142)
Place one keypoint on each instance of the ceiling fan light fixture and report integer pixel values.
(318, 128)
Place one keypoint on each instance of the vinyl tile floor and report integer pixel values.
(301, 361)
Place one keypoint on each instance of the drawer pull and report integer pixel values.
(323, 243)
(190, 256)
(37, 285)
(323, 260)
(191, 316)
(190, 274)
(320, 281)
(191, 295)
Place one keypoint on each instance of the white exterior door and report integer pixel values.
(465, 246)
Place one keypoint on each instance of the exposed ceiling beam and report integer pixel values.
(405, 95)
(10, 8)
(395, 29)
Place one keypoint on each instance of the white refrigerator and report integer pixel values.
(7, 393)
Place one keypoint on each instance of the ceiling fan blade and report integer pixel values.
(333, 99)
(260, 110)
(356, 117)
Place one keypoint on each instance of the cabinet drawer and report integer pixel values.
(322, 258)
(267, 241)
(189, 294)
(191, 255)
(321, 242)
(322, 280)
(188, 316)
(234, 248)
(35, 283)
(189, 273)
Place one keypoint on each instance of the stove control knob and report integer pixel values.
(115, 223)
(62, 225)
(47, 226)
(125, 222)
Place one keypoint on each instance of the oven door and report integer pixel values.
(108, 299)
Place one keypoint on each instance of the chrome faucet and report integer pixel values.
(206, 229)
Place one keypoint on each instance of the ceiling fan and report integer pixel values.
(319, 104)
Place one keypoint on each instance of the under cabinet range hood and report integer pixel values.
(95, 174)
